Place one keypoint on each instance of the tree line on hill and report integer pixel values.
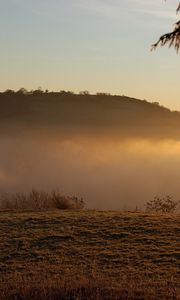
(40, 91)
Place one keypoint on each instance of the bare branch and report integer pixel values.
(172, 38)
(178, 8)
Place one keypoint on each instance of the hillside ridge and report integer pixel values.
(120, 114)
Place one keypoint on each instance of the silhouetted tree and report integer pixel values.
(66, 93)
(172, 38)
(39, 91)
(103, 94)
(22, 91)
(85, 93)
(9, 92)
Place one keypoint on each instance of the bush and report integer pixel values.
(162, 205)
(38, 200)
(66, 202)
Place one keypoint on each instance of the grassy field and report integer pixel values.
(89, 255)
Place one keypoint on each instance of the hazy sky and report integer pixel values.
(95, 45)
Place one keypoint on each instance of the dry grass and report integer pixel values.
(38, 200)
(89, 255)
(46, 288)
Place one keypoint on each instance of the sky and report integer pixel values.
(94, 45)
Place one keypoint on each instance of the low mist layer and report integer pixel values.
(108, 173)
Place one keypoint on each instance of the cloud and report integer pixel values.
(115, 8)
(155, 8)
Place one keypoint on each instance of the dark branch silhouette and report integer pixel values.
(172, 38)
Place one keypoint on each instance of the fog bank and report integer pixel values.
(108, 172)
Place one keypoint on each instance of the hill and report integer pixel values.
(86, 113)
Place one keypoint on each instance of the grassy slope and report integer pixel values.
(100, 244)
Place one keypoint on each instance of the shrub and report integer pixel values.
(66, 202)
(38, 200)
(162, 205)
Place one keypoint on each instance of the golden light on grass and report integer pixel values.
(89, 254)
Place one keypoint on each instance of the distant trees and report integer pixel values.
(38, 91)
(103, 94)
(156, 103)
(9, 92)
(172, 38)
(86, 93)
(23, 91)
(66, 93)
